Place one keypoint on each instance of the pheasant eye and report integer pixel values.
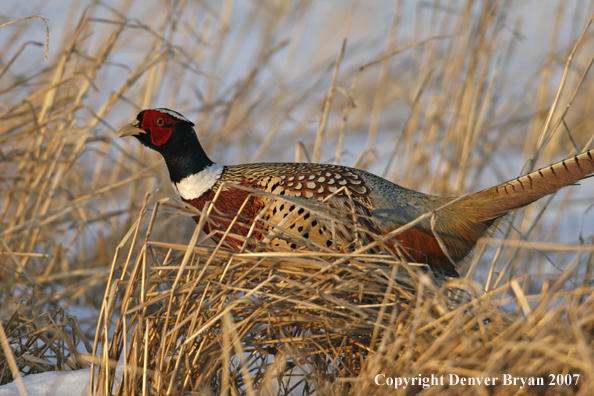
(160, 122)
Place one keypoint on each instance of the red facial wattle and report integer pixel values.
(160, 126)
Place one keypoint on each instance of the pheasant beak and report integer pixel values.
(130, 130)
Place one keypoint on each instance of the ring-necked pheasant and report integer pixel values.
(383, 206)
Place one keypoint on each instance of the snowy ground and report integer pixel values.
(55, 383)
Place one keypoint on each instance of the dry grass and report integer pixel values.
(83, 226)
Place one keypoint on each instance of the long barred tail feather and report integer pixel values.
(516, 193)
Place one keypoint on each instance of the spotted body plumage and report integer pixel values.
(310, 181)
(377, 206)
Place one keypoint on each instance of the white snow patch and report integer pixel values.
(193, 186)
(62, 383)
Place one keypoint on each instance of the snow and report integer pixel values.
(62, 383)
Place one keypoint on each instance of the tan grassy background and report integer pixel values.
(438, 97)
